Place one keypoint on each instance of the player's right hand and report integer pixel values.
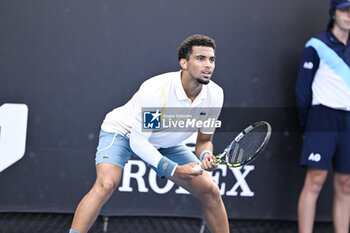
(186, 171)
(208, 164)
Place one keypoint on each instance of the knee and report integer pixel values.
(105, 187)
(314, 183)
(211, 194)
(342, 186)
(315, 187)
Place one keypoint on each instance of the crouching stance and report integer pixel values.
(123, 134)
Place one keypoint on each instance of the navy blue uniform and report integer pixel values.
(323, 100)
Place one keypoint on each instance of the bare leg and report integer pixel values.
(308, 197)
(341, 202)
(108, 178)
(209, 195)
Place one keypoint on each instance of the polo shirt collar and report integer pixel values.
(334, 39)
(181, 94)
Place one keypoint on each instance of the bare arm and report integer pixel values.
(204, 142)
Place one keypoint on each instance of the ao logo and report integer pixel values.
(308, 65)
(315, 157)
(13, 131)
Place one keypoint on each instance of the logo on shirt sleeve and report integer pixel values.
(308, 65)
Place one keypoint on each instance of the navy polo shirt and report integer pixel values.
(324, 75)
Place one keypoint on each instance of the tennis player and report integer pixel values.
(323, 98)
(122, 135)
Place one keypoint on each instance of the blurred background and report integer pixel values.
(71, 62)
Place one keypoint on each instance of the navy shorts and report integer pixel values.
(327, 139)
(115, 149)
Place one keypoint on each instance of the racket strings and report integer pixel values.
(248, 145)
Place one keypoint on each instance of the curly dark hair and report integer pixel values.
(185, 48)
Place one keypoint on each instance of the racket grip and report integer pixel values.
(198, 167)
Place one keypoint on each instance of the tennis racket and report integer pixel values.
(245, 147)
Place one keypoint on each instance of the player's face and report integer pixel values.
(342, 18)
(201, 64)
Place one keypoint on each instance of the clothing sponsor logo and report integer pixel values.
(13, 132)
(105, 157)
(308, 65)
(314, 157)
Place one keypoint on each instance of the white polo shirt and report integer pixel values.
(162, 91)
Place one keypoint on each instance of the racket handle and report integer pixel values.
(198, 167)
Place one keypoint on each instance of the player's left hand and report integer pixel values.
(208, 162)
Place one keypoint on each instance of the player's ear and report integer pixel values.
(183, 63)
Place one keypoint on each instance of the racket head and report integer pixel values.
(247, 145)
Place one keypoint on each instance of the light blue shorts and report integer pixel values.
(115, 149)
